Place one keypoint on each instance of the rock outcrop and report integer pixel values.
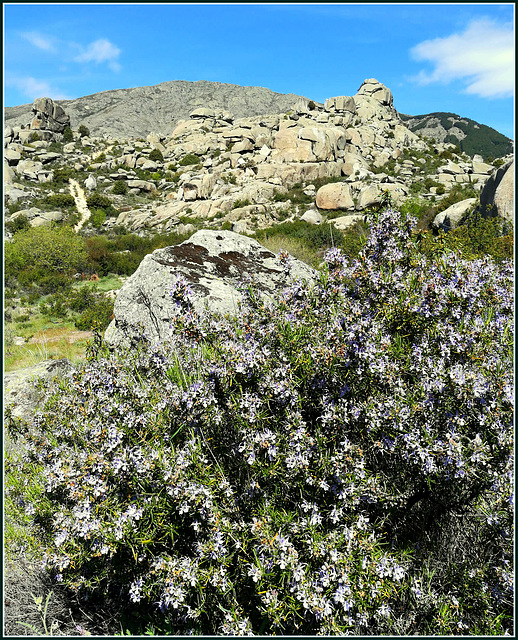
(241, 173)
(215, 265)
(49, 116)
(127, 113)
(497, 196)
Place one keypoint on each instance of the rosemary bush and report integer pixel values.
(337, 461)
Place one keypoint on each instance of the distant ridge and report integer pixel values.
(138, 111)
(135, 112)
(470, 136)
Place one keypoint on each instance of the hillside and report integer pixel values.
(471, 137)
(132, 113)
(135, 112)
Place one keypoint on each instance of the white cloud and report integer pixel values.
(33, 88)
(482, 57)
(101, 50)
(40, 41)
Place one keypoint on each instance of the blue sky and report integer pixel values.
(434, 57)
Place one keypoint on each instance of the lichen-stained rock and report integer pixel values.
(215, 264)
(340, 104)
(374, 89)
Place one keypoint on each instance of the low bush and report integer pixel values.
(62, 175)
(68, 135)
(315, 236)
(120, 188)
(83, 131)
(90, 308)
(20, 223)
(45, 250)
(241, 203)
(97, 316)
(190, 158)
(97, 218)
(475, 239)
(60, 200)
(338, 461)
(97, 200)
(457, 194)
(156, 155)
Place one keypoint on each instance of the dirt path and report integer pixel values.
(79, 196)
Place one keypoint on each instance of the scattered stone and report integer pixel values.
(450, 217)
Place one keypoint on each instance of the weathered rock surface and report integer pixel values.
(336, 195)
(20, 387)
(135, 112)
(243, 167)
(450, 217)
(497, 196)
(215, 264)
(49, 116)
(504, 195)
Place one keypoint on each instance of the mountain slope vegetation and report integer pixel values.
(471, 137)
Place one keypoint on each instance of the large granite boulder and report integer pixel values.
(504, 195)
(451, 217)
(335, 195)
(497, 196)
(374, 89)
(49, 116)
(215, 264)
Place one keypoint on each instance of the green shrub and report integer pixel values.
(53, 282)
(68, 135)
(92, 308)
(354, 239)
(315, 236)
(98, 201)
(56, 249)
(120, 187)
(336, 462)
(55, 147)
(98, 316)
(241, 203)
(190, 158)
(156, 155)
(475, 239)
(457, 194)
(83, 131)
(60, 200)
(62, 175)
(97, 218)
(20, 223)
(55, 306)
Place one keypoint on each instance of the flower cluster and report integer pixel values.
(336, 461)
